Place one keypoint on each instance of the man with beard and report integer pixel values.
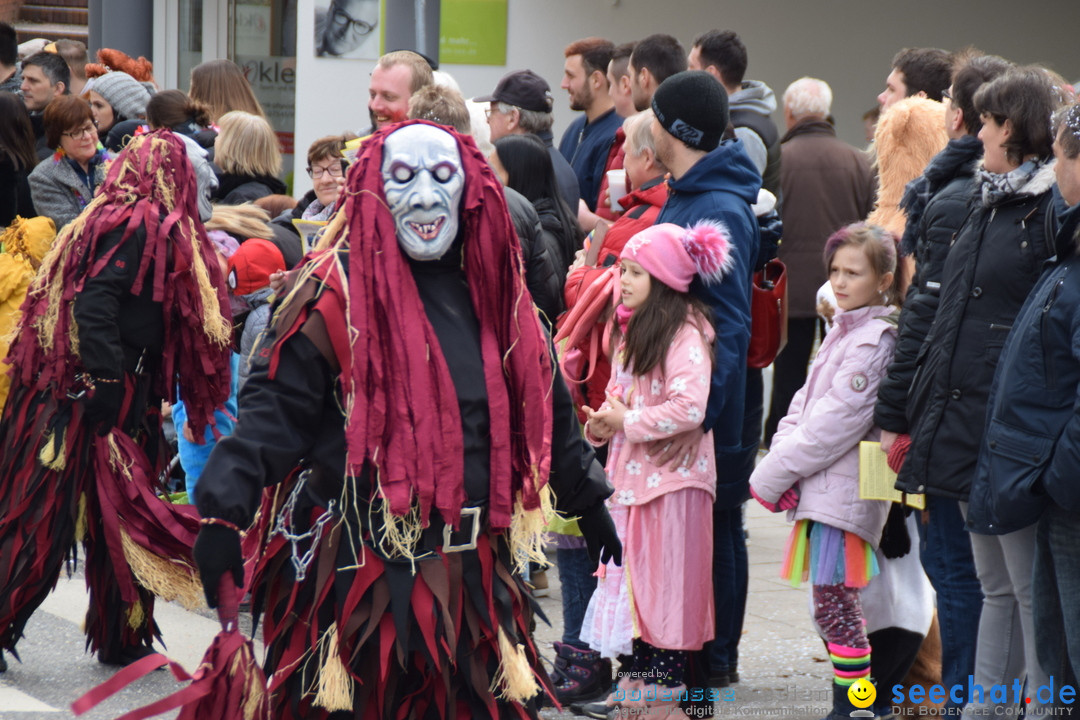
(585, 143)
(409, 379)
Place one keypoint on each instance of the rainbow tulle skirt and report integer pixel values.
(827, 556)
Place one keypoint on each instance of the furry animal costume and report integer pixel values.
(908, 136)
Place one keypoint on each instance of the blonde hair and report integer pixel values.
(420, 71)
(247, 145)
(220, 85)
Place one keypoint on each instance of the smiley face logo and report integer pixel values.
(862, 693)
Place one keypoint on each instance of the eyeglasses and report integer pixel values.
(946, 95)
(335, 170)
(84, 131)
(343, 19)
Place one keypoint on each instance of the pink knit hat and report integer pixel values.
(674, 254)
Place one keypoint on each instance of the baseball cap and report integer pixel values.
(524, 89)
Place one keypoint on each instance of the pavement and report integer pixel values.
(784, 671)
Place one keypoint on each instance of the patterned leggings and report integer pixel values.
(654, 665)
(838, 613)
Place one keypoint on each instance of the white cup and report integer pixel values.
(616, 180)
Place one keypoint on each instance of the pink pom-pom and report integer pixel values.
(708, 243)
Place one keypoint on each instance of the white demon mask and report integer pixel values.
(424, 181)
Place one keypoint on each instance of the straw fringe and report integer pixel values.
(527, 530)
(254, 693)
(80, 519)
(167, 579)
(136, 615)
(515, 680)
(335, 685)
(51, 456)
(336, 230)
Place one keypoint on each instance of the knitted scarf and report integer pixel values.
(998, 187)
(151, 185)
(403, 419)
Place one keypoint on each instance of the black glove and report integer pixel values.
(217, 551)
(101, 406)
(600, 537)
(895, 540)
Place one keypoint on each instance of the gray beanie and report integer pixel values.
(124, 93)
(692, 106)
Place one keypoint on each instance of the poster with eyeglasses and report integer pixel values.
(348, 29)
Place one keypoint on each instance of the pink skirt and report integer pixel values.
(664, 593)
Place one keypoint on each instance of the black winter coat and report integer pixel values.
(1032, 446)
(948, 181)
(239, 189)
(995, 260)
(539, 251)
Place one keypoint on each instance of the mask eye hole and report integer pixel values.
(443, 172)
(401, 172)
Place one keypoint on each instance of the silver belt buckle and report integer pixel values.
(448, 530)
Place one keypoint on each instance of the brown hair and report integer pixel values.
(1027, 98)
(441, 105)
(74, 54)
(16, 132)
(595, 53)
(925, 70)
(421, 74)
(170, 108)
(654, 324)
(64, 114)
(971, 71)
(220, 85)
(880, 247)
(331, 146)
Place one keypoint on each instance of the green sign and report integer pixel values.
(473, 32)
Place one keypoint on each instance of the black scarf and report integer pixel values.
(957, 159)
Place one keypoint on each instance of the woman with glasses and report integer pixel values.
(62, 185)
(326, 168)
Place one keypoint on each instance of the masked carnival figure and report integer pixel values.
(409, 378)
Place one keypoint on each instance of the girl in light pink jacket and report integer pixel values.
(659, 605)
(812, 468)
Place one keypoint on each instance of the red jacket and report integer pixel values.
(615, 157)
(642, 207)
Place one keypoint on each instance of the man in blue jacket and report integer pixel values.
(714, 180)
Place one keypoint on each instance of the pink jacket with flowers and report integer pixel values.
(817, 442)
(663, 404)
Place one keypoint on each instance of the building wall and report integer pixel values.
(848, 43)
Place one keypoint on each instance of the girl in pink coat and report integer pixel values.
(812, 469)
(659, 605)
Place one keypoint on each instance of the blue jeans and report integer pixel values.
(1054, 605)
(730, 577)
(945, 551)
(578, 583)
